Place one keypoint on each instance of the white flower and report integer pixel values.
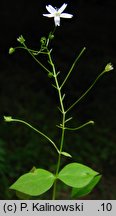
(57, 13)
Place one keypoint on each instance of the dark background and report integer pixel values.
(26, 92)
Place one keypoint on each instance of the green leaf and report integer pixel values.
(76, 175)
(34, 183)
(79, 192)
(23, 196)
(66, 154)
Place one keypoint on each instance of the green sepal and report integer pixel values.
(76, 175)
(34, 183)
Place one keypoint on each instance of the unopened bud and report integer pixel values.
(51, 36)
(21, 39)
(50, 74)
(11, 50)
(109, 67)
(7, 118)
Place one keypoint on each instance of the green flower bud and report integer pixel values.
(43, 41)
(11, 50)
(21, 39)
(50, 74)
(7, 118)
(51, 36)
(109, 67)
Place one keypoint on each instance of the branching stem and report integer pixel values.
(86, 92)
(72, 67)
(31, 53)
(63, 121)
(29, 125)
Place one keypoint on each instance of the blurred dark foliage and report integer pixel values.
(26, 92)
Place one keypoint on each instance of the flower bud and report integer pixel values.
(11, 50)
(7, 118)
(51, 36)
(50, 74)
(21, 39)
(43, 41)
(109, 67)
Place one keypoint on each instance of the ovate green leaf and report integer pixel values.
(76, 175)
(79, 192)
(34, 183)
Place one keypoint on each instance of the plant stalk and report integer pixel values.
(63, 123)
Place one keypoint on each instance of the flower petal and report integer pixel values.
(48, 15)
(66, 15)
(50, 9)
(62, 8)
(57, 20)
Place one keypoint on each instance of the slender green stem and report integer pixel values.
(31, 53)
(56, 81)
(86, 92)
(63, 122)
(59, 157)
(48, 39)
(77, 128)
(21, 121)
(73, 65)
(35, 52)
